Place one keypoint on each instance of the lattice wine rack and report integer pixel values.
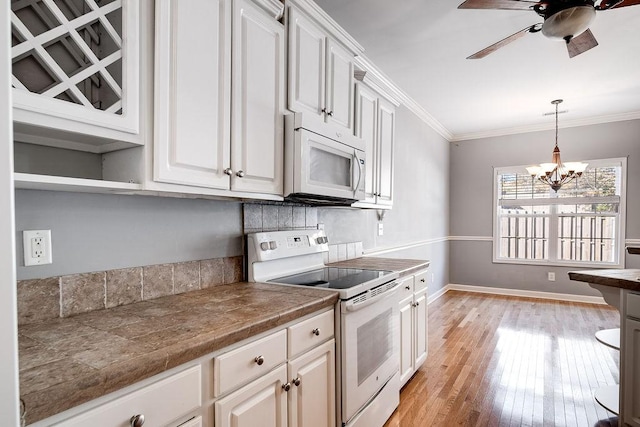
(71, 50)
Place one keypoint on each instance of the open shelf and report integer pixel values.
(609, 398)
(609, 337)
(27, 181)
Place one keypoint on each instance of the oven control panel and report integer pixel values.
(270, 245)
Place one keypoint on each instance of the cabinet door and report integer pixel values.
(631, 384)
(192, 87)
(257, 118)
(340, 86)
(420, 310)
(406, 339)
(307, 57)
(386, 132)
(260, 403)
(312, 401)
(366, 127)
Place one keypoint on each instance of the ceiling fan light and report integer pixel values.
(568, 23)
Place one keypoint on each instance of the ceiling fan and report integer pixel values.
(566, 20)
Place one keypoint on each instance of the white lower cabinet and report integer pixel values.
(165, 403)
(260, 403)
(312, 395)
(298, 392)
(413, 325)
(631, 354)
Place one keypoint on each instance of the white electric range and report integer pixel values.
(367, 318)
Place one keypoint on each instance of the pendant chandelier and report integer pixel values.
(556, 173)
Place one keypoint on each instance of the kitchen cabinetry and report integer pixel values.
(413, 324)
(168, 402)
(375, 124)
(631, 354)
(213, 129)
(299, 391)
(76, 74)
(320, 69)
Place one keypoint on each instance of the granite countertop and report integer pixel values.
(404, 267)
(69, 361)
(625, 279)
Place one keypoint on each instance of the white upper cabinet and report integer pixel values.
(192, 92)
(375, 124)
(76, 73)
(320, 69)
(258, 101)
(219, 124)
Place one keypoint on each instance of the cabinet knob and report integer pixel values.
(296, 381)
(330, 113)
(137, 420)
(422, 280)
(240, 174)
(408, 287)
(259, 360)
(228, 171)
(324, 110)
(316, 332)
(417, 304)
(286, 386)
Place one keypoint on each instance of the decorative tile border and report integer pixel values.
(64, 296)
(282, 216)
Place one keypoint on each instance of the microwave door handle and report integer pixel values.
(355, 189)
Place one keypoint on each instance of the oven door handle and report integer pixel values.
(352, 305)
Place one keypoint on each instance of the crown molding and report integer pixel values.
(634, 115)
(274, 8)
(397, 93)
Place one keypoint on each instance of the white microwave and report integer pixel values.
(323, 164)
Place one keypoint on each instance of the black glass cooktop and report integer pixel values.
(332, 277)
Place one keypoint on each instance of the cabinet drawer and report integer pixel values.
(249, 361)
(161, 403)
(633, 305)
(421, 280)
(311, 332)
(406, 287)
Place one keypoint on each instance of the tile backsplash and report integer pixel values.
(272, 217)
(343, 251)
(63, 296)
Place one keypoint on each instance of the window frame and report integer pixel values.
(553, 245)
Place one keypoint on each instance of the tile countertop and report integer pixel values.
(625, 279)
(404, 267)
(69, 361)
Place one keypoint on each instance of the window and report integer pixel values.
(580, 225)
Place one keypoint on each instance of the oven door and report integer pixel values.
(369, 349)
(329, 168)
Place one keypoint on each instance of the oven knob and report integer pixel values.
(264, 246)
(273, 244)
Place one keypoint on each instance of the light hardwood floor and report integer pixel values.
(509, 361)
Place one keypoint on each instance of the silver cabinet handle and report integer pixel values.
(240, 174)
(286, 386)
(408, 288)
(228, 171)
(330, 113)
(316, 332)
(324, 110)
(137, 420)
(296, 382)
(422, 280)
(259, 360)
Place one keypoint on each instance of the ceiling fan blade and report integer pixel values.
(513, 37)
(616, 4)
(581, 43)
(499, 4)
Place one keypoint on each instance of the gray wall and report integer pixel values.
(471, 205)
(420, 202)
(94, 232)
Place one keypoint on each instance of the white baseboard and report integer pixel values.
(520, 293)
(437, 294)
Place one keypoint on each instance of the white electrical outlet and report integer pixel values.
(37, 247)
(551, 276)
(380, 229)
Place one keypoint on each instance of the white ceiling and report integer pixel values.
(422, 45)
